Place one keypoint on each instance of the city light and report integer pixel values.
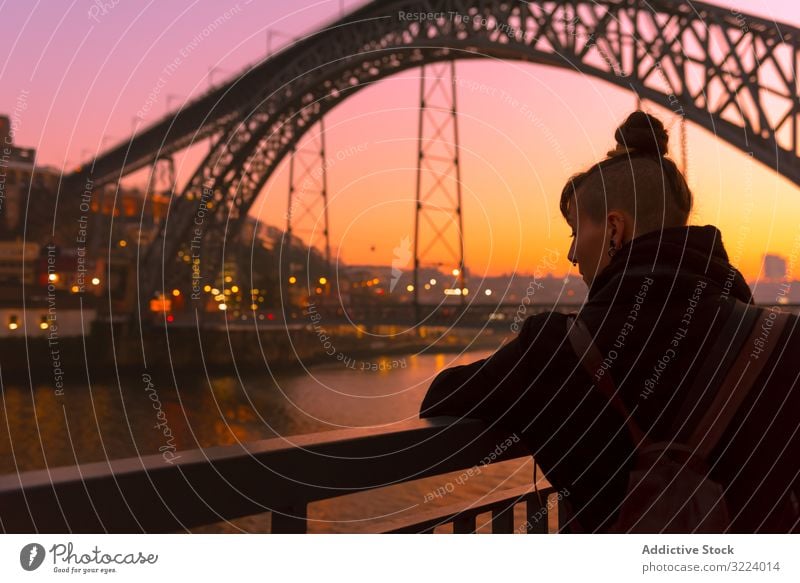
(456, 271)
(215, 291)
(206, 288)
(223, 307)
(235, 288)
(323, 280)
(43, 325)
(160, 304)
(228, 279)
(53, 277)
(464, 291)
(176, 292)
(488, 292)
(452, 292)
(75, 289)
(427, 286)
(95, 281)
(433, 281)
(410, 287)
(12, 326)
(123, 243)
(292, 279)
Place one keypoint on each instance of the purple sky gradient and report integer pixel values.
(87, 70)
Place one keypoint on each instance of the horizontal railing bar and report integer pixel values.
(205, 486)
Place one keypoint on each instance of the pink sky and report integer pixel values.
(75, 74)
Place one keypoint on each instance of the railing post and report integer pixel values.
(503, 519)
(464, 524)
(537, 516)
(290, 520)
(563, 511)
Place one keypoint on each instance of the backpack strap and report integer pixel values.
(589, 356)
(717, 362)
(742, 355)
(741, 377)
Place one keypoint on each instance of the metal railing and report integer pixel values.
(281, 475)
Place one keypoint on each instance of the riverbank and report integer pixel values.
(108, 351)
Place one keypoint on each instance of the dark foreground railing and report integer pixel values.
(205, 486)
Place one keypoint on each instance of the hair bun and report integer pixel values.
(644, 133)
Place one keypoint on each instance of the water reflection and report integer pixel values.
(141, 416)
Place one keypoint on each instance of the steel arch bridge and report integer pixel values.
(731, 73)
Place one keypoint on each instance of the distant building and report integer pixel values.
(18, 262)
(46, 315)
(62, 269)
(774, 267)
(133, 224)
(19, 176)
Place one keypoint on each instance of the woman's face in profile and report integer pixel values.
(590, 243)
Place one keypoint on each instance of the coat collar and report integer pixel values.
(687, 250)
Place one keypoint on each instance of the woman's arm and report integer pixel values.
(485, 389)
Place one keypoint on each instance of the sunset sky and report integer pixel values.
(76, 74)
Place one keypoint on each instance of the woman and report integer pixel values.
(657, 302)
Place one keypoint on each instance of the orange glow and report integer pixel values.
(514, 165)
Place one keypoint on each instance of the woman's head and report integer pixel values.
(633, 191)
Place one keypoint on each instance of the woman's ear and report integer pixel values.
(618, 227)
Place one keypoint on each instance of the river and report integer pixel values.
(126, 417)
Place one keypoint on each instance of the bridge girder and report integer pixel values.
(733, 74)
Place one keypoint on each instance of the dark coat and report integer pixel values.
(534, 385)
